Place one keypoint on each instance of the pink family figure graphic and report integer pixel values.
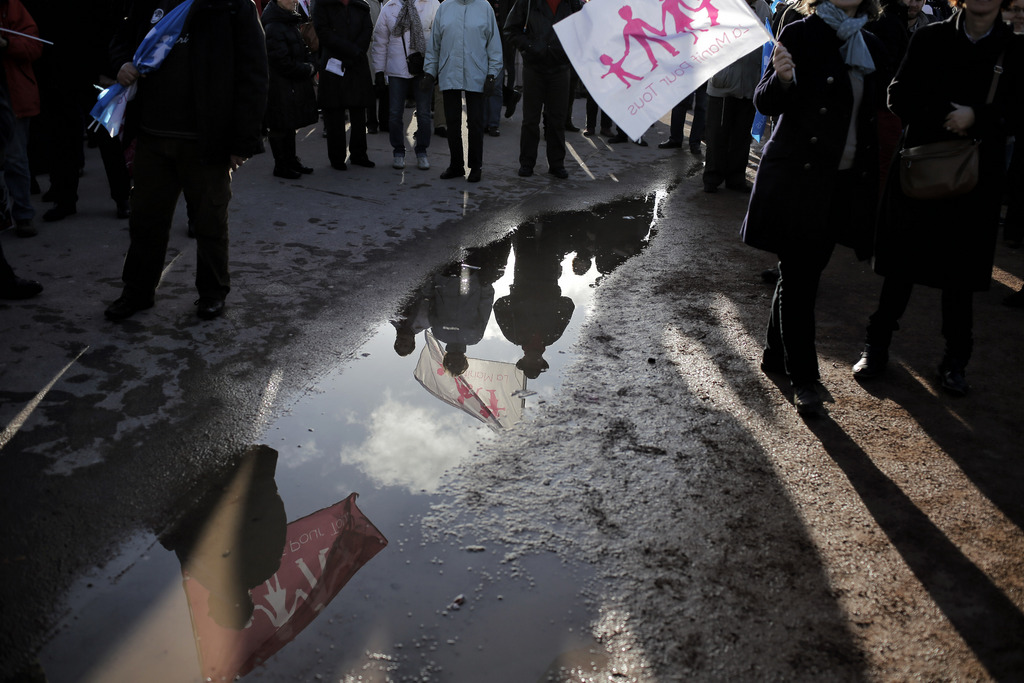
(684, 22)
(616, 68)
(638, 30)
(712, 10)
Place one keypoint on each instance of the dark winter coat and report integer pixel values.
(530, 26)
(950, 243)
(291, 103)
(228, 68)
(345, 32)
(796, 197)
(17, 59)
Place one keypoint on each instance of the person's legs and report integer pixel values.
(207, 189)
(556, 101)
(334, 123)
(800, 271)
(529, 130)
(715, 164)
(492, 107)
(475, 126)
(738, 118)
(453, 114)
(17, 174)
(357, 134)
(154, 197)
(958, 326)
(700, 110)
(440, 115)
(677, 120)
(397, 89)
(424, 117)
(114, 166)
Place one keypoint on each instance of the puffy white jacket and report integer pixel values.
(386, 53)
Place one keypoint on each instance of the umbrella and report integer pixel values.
(109, 109)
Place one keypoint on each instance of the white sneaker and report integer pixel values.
(422, 162)
(399, 162)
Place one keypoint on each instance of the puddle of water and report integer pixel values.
(388, 426)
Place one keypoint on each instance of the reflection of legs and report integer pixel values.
(156, 191)
(453, 114)
(207, 187)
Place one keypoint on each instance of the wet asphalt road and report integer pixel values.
(114, 429)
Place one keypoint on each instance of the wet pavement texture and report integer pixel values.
(388, 426)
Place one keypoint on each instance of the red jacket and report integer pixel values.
(18, 57)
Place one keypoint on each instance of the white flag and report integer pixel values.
(639, 58)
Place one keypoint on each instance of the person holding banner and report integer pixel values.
(947, 242)
(817, 181)
(546, 77)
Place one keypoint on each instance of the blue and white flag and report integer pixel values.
(109, 109)
(639, 58)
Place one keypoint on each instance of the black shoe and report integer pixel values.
(872, 363)
(297, 165)
(126, 306)
(770, 275)
(588, 132)
(362, 161)
(48, 196)
(441, 132)
(570, 127)
(20, 289)
(607, 132)
(340, 166)
(24, 228)
(372, 130)
(710, 188)
(619, 137)
(525, 171)
(807, 400)
(670, 144)
(695, 149)
(286, 172)
(493, 131)
(59, 212)
(772, 364)
(209, 307)
(642, 142)
(744, 187)
(452, 172)
(1015, 300)
(559, 172)
(952, 378)
(124, 209)
(474, 175)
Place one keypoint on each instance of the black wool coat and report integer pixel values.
(228, 69)
(796, 196)
(291, 102)
(950, 243)
(344, 31)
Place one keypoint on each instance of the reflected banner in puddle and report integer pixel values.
(492, 396)
(322, 551)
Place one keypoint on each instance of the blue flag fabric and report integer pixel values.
(760, 120)
(109, 109)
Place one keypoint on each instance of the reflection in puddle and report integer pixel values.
(508, 312)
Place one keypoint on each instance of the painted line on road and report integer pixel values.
(19, 420)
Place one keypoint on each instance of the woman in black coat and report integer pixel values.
(344, 30)
(291, 102)
(817, 182)
(940, 93)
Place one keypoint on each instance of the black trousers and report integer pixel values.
(164, 168)
(791, 323)
(282, 146)
(957, 319)
(545, 95)
(334, 121)
(727, 135)
(474, 125)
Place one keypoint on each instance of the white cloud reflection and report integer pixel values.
(412, 446)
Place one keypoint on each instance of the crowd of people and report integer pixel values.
(849, 84)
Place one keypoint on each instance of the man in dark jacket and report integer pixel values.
(197, 118)
(546, 70)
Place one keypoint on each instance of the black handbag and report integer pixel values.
(943, 169)
(414, 61)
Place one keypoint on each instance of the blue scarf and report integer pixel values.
(854, 50)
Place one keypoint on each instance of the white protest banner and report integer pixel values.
(639, 58)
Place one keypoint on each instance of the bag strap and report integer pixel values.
(407, 52)
(997, 70)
